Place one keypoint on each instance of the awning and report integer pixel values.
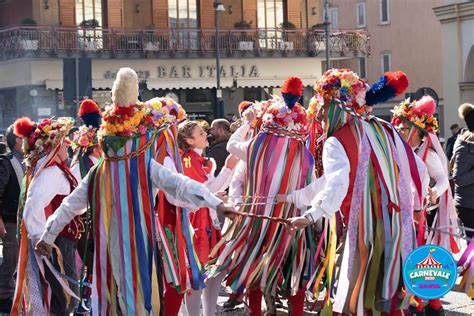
(53, 84)
(269, 82)
(102, 83)
(205, 83)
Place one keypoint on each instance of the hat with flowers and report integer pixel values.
(91, 116)
(128, 117)
(285, 115)
(418, 113)
(346, 88)
(41, 139)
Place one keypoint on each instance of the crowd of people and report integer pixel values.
(154, 213)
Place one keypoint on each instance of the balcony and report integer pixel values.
(25, 41)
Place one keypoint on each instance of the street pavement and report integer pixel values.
(455, 303)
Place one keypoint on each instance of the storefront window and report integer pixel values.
(183, 19)
(271, 16)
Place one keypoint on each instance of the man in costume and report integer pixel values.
(120, 190)
(48, 180)
(87, 153)
(260, 255)
(418, 126)
(368, 173)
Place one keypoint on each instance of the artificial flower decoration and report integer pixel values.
(315, 103)
(343, 86)
(419, 113)
(41, 139)
(86, 137)
(285, 115)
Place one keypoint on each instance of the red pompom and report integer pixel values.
(23, 127)
(293, 86)
(398, 80)
(244, 105)
(426, 105)
(88, 106)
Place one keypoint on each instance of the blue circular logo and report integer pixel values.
(429, 272)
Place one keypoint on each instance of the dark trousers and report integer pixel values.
(466, 215)
(10, 260)
(59, 304)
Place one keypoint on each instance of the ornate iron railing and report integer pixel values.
(16, 41)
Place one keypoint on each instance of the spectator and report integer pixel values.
(463, 169)
(455, 131)
(11, 174)
(3, 148)
(219, 134)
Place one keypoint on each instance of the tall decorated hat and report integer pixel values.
(91, 116)
(43, 138)
(165, 110)
(345, 88)
(284, 115)
(419, 114)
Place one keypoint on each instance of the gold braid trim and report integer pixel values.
(133, 154)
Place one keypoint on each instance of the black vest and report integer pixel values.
(11, 194)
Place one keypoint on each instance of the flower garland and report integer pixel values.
(44, 138)
(84, 138)
(405, 112)
(315, 103)
(277, 115)
(141, 117)
(345, 87)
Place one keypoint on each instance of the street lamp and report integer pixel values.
(218, 7)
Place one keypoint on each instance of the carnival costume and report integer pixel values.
(121, 190)
(84, 145)
(46, 183)
(437, 223)
(369, 172)
(260, 254)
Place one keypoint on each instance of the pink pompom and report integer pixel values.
(426, 105)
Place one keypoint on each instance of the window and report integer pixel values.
(270, 16)
(88, 10)
(361, 14)
(384, 11)
(333, 18)
(386, 62)
(363, 67)
(183, 18)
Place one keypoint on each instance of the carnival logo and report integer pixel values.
(429, 272)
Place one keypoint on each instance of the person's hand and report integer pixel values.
(225, 210)
(231, 161)
(3, 231)
(299, 222)
(249, 116)
(433, 196)
(43, 249)
(281, 198)
(416, 217)
(223, 196)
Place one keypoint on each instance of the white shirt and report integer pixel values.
(332, 191)
(76, 170)
(238, 144)
(236, 187)
(437, 173)
(179, 186)
(50, 182)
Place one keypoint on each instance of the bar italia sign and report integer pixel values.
(194, 72)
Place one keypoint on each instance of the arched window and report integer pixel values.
(271, 15)
(183, 20)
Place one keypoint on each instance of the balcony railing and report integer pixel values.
(16, 41)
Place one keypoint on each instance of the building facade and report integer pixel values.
(457, 24)
(404, 35)
(57, 52)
